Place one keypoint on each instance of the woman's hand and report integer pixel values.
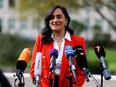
(34, 81)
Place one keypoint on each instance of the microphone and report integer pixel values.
(99, 50)
(22, 61)
(70, 54)
(38, 65)
(53, 56)
(0, 28)
(81, 60)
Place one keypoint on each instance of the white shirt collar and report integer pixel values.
(67, 36)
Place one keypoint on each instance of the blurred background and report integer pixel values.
(21, 21)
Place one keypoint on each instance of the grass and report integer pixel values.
(110, 58)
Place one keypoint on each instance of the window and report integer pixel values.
(11, 23)
(111, 23)
(35, 23)
(1, 3)
(86, 23)
(99, 23)
(0, 24)
(11, 3)
(23, 24)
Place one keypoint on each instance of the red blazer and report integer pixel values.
(45, 49)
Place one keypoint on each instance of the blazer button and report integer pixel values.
(43, 57)
(44, 67)
(45, 77)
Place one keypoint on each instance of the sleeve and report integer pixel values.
(37, 48)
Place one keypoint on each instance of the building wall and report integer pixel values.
(25, 27)
(16, 26)
(90, 18)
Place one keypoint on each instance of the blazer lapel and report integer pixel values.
(65, 61)
(64, 67)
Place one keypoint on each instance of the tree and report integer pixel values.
(97, 5)
(41, 6)
(11, 47)
(77, 26)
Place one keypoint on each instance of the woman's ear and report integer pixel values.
(66, 22)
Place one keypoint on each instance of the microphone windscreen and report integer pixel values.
(38, 64)
(69, 51)
(54, 52)
(99, 50)
(80, 57)
(23, 59)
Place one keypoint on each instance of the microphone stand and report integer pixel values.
(51, 78)
(101, 74)
(70, 79)
(37, 81)
(89, 74)
(19, 76)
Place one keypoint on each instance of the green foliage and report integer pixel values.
(94, 62)
(11, 3)
(97, 27)
(94, 67)
(77, 26)
(12, 45)
(10, 48)
(101, 38)
(42, 6)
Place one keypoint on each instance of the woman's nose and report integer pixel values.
(55, 19)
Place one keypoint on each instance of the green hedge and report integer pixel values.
(10, 48)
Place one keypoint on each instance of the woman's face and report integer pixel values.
(58, 21)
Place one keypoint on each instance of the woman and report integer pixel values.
(57, 34)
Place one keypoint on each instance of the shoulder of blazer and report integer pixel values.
(39, 36)
(75, 37)
(39, 41)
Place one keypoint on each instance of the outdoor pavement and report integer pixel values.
(91, 83)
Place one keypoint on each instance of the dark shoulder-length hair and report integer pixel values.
(46, 31)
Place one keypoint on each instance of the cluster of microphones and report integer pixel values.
(77, 52)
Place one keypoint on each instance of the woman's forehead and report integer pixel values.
(57, 11)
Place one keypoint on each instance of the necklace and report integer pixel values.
(59, 40)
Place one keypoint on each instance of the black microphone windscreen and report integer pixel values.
(54, 52)
(21, 65)
(80, 57)
(99, 50)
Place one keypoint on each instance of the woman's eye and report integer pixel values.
(59, 16)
